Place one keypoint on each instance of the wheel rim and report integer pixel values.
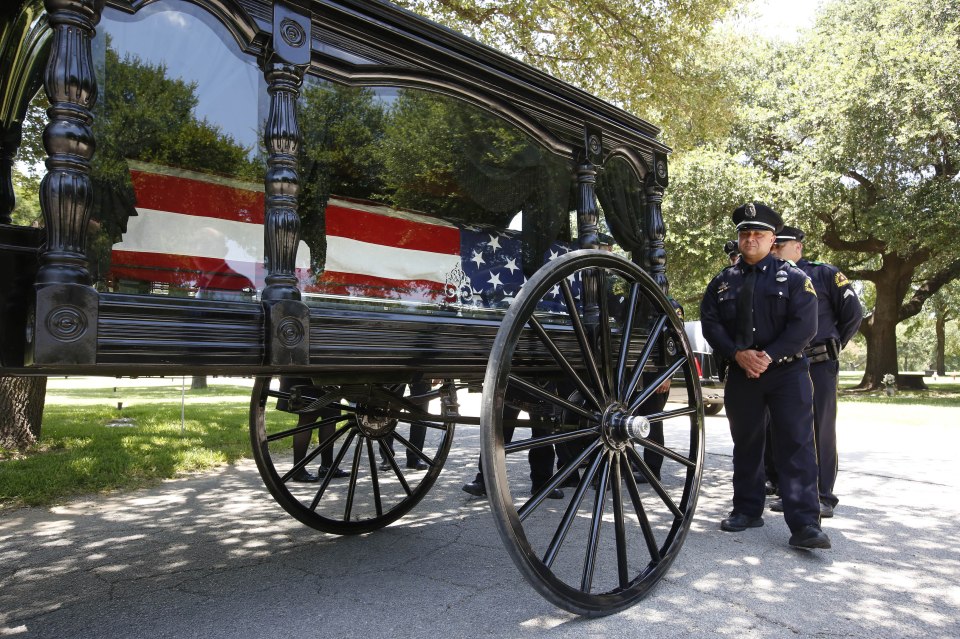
(363, 419)
(590, 555)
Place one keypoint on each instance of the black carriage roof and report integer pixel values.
(357, 40)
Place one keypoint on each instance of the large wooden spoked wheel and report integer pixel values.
(586, 376)
(363, 449)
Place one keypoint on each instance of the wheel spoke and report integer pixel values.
(392, 460)
(618, 525)
(638, 508)
(590, 558)
(571, 513)
(625, 340)
(642, 359)
(670, 414)
(312, 455)
(352, 488)
(606, 351)
(543, 393)
(563, 362)
(556, 438)
(654, 482)
(585, 349)
(524, 511)
(655, 384)
(299, 429)
(667, 452)
(330, 471)
(410, 447)
(374, 478)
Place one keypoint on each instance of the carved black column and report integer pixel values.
(66, 307)
(654, 258)
(588, 217)
(9, 143)
(287, 318)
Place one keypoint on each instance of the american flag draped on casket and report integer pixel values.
(204, 234)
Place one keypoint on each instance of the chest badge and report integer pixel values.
(781, 276)
(724, 287)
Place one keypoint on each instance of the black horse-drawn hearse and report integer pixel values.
(347, 202)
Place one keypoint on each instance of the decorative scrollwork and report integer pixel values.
(457, 288)
(290, 332)
(66, 323)
(661, 169)
(292, 33)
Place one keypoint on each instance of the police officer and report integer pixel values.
(839, 314)
(760, 314)
(732, 250)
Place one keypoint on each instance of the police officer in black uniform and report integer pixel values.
(839, 314)
(732, 249)
(760, 314)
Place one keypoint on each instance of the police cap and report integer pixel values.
(731, 248)
(788, 233)
(757, 216)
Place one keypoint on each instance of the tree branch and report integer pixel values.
(930, 286)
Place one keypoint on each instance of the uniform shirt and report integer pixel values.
(784, 309)
(839, 310)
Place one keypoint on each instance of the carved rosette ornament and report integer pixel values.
(65, 329)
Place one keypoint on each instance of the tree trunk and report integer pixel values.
(880, 329)
(941, 326)
(198, 382)
(21, 410)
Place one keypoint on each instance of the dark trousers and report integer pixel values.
(768, 466)
(540, 458)
(654, 404)
(418, 433)
(825, 376)
(301, 441)
(788, 394)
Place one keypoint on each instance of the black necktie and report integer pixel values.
(745, 309)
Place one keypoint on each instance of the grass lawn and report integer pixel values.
(944, 391)
(84, 450)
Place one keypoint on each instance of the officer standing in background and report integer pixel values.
(732, 250)
(760, 314)
(838, 319)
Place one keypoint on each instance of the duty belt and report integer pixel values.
(818, 353)
(787, 359)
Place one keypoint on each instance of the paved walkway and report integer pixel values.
(212, 556)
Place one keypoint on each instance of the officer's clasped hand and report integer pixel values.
(754, 363)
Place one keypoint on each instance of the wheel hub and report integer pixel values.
(619, 427)
(374, 423)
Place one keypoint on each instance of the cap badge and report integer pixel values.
(751, 211)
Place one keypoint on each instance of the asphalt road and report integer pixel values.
(212, 556)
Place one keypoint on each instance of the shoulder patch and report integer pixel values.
(841, 279)
(808, 287)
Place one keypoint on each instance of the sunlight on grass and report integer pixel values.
(82, 452)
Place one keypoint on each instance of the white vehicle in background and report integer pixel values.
(710, 385)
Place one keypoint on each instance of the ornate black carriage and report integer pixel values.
(369, 213)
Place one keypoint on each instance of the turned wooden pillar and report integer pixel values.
(654, 256)
(66, 305)
(288, 319)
